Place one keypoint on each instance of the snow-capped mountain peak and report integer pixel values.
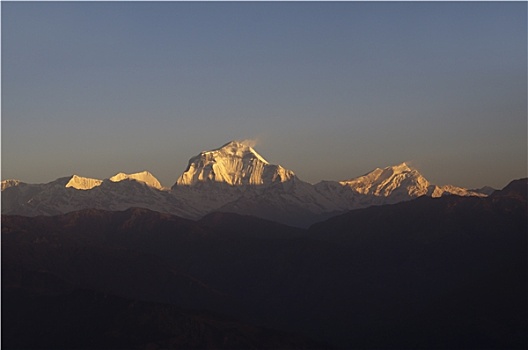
(10, 183)
(144, 177)
(389, 185)
(235, 163)
(83, 183)
(382, 182)
(400, 168)
(238, 149)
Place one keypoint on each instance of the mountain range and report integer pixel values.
(427, 273)
(232, 178)
(241, 253)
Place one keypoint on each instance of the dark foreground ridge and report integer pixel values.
(447, 272)
(85, 319)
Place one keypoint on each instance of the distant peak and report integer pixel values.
(237, 144)
(237, 148)
(144, 176)
(402, 167)
(247, 143)
(234, 163)
(125, 175)
(10, 183)
(83, 183)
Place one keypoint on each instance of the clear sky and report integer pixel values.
(329, 90)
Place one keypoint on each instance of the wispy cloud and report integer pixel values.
(250, 142)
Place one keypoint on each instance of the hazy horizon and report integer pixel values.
(328, 90)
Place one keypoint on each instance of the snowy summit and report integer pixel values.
(235, 163)
(143, 177)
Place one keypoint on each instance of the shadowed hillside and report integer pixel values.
(86, 319)
(444, 272)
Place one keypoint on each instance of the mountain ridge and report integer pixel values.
(144, 177)
(232, 178)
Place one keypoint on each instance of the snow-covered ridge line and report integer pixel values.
(86, 183)
(144, 177)
(231, 178)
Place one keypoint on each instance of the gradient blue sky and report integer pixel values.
(329, 90)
